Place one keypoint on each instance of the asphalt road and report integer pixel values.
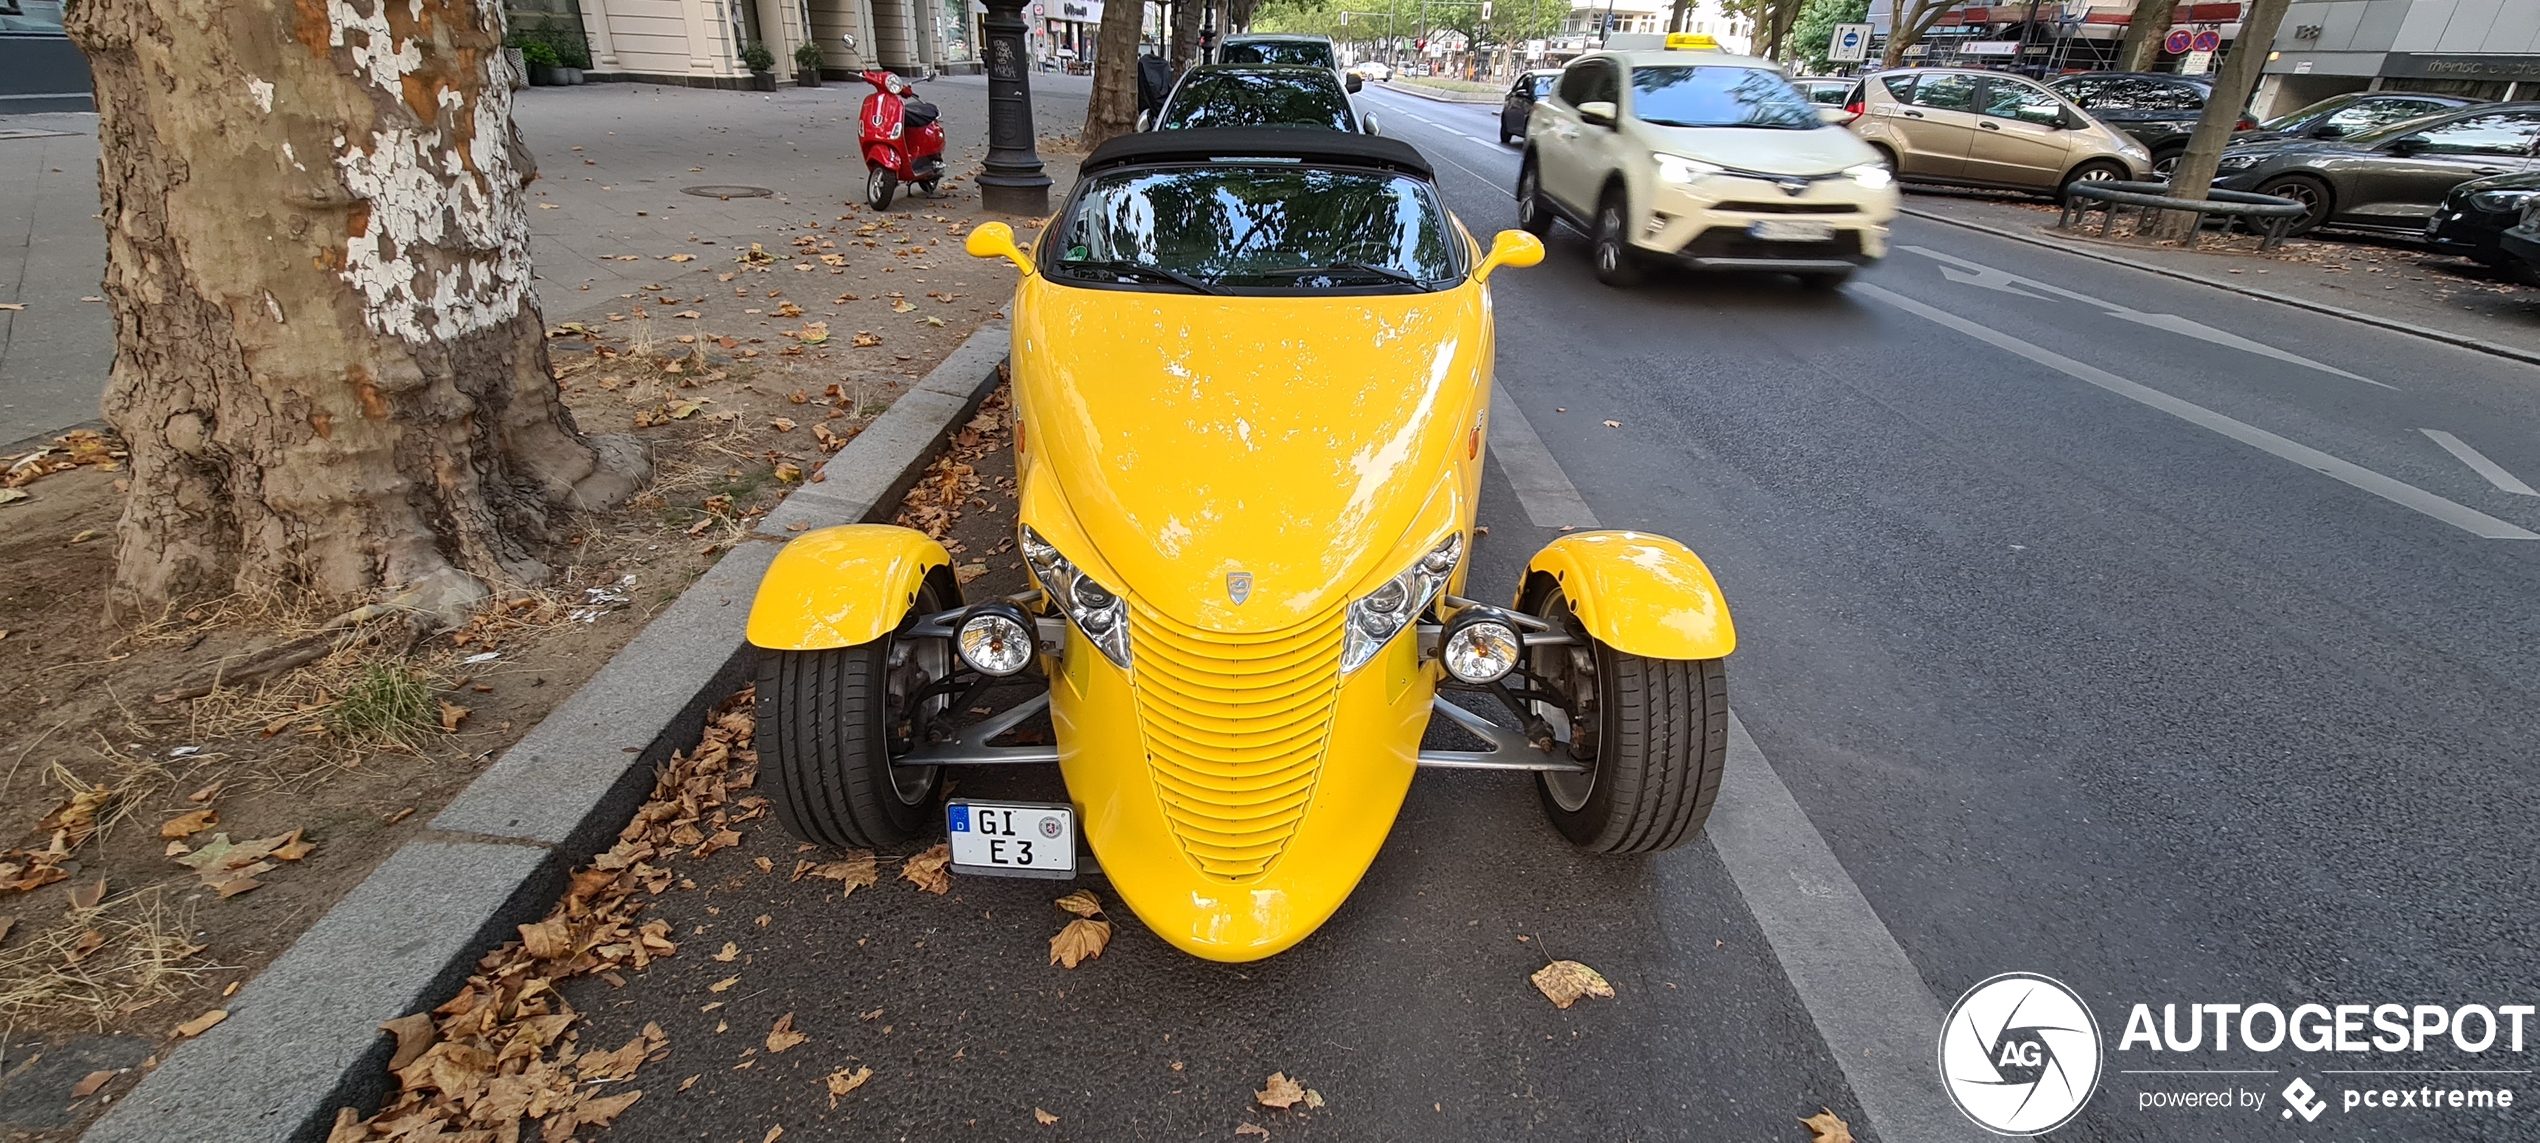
(2101, 625)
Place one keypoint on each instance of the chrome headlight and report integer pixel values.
(1375, 618)
(2502, 201)
(1871, 176)
(1096, 610)
(2236, 162)
(1679, 169)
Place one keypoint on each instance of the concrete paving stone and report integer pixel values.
(302, 1038)
(572, 781)
(863, 481)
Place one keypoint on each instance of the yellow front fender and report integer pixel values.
(1640, 594)
(837, 587)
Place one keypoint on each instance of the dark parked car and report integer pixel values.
(2393, 178)
(2478, 212)
(2159, 110)
(2522, 245)
(1257, 95)
(2354, 113)
(1520, 102)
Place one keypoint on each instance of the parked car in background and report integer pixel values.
(1520, 103)
(2390, 179)
(1258, 95)
(1275, 48)
(2159, 110)
(1377, 70)
(2521, 245)
(1705, 160)
(1830, 94)
(1989, 129)
(2354, 113)
(2477, 213)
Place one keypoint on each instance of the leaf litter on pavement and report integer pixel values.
(1564, 982)
(1085, 937)
(1827, 1127)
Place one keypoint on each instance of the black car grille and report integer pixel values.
(1734, 242)
(1789, 207)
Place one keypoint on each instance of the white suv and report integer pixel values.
(1708, 160)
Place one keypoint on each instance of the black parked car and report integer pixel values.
(1258, 95)
(2393, 178)
(2160, 110)
(1520, 102)
(2354, 113)
(2522, 245)
(2478, 212)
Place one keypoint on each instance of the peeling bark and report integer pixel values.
(329, 366)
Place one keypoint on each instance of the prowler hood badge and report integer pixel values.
(1238, 586)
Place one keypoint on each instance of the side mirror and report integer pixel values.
(1509, 248)
(1367, 123)
(996, 240)
(2406, 145)
(1355, 84)
(1834, 115)
(1597, 111)
(2328, 131)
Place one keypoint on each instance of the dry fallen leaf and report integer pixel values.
(415, 1034)
(1252, 1129)
(89, 942)
(187, 825)
(201, 1024)
(724, 984)
(843, 1081)
(851, 874)
(1565, 981)
(1613, 424)
(773, 1134)
(1829, 1128)
(784, 1036)
(1081, 940)
(1082, 902)
(1282, 1092)
(1045, 1118)
(88, 896)
(926, 870)
(730, 950)
(88, 1085)
(452, 714)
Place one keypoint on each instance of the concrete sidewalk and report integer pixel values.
(2389, 279)
(614, 160)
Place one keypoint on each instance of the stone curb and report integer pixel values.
(1475, 97)
(2463, 341)
(302, 1037)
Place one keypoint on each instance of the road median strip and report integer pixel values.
(302, 1038)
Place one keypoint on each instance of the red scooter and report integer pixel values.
(902, 141)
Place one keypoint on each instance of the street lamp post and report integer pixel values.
(1012, 181)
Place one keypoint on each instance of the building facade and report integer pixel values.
(2483, 49)
(698, 42)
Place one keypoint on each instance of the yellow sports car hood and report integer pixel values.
(1292, 439)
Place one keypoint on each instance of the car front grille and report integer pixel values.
(1734, 242)
(1235, 726)
(1789, 207)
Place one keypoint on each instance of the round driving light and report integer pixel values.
(1480, 650)
(994, 641)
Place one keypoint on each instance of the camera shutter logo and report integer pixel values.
(2020, 1054)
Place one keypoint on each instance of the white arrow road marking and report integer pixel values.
(1877, 1017)
(2010, 283)
(2478, 462)
(2398, 492)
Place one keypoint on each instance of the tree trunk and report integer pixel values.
(1186, 34)
(2239, 76)
(328, 365)
(1779, 15)
(1905, 27)
(1113, 110)
(1676, 13)
(2141, 47)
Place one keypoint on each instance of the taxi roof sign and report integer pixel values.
(1692, 42)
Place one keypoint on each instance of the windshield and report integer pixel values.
(1719, 97)
(2379, 135)
(1257, 228)
(1259, 99)
(1311, 53)
(2332, 103)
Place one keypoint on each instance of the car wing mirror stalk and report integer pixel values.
(1509, 248)
(996, 240)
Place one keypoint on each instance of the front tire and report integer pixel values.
(1534, 212)
(2094, 171)
(1659, 748)
(2313, 194)
(829, 723)
(1617, 264)
(879, 185)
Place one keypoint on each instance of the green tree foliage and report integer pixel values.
(1813, 34)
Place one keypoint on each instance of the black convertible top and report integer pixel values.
(1230, 143)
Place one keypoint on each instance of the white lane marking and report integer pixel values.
(1550, 500)
(2396, 491)
(2006, 282)
(2478, 463)
(1868, 1001)
(1869, 1004)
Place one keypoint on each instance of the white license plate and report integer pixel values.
(1012, 839)
(1784, 230)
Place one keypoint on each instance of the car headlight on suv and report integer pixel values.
(1871, 176)
(2503, 201)
(1096, 610)
(1679, 169)
(2230, 163)
(1375, 618)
